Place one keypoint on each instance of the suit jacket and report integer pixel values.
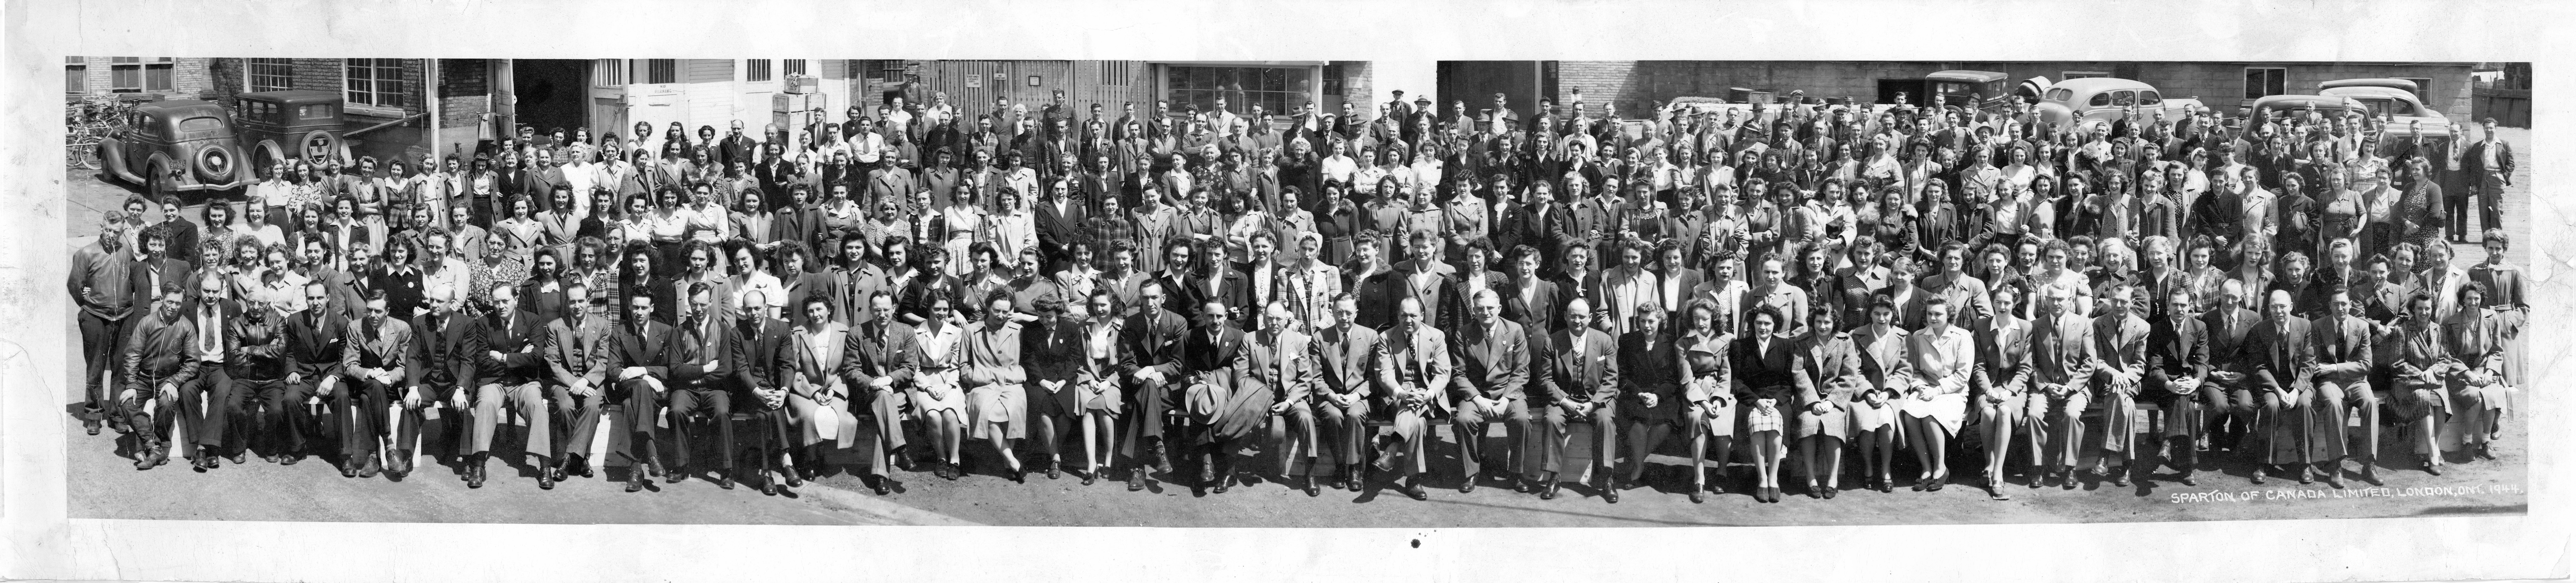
(1059, 228)
(761, 354)
(578, 351)
(1757, 369)
(2120, 346)
(1536, 307)
(1151, 339)
(520, 339)
(2276, 351)
(2342, 345)
(688, 352)
(2179, 350)
(1492, 363)
(1282, 361)
(2473, 159)
(1580, 366)
(386, 348)
(1414, 358)
(1346, 358)
(2228, 343)
(314, 342)
(444, 355)
(1052, 352)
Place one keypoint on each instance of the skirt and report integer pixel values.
(1095, 397)
(929, 398)
(1835, 421)
(958, 264)
(1059, 404)
(1709, 417)
(997, 410)
(1667, 409)
(1949, 410)
(818, 423)
(1866, 418)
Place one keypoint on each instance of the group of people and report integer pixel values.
(1151, 294)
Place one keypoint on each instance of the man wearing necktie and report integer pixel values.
(2343, 354)
(506, 373)
(2119, 365)
(206, 397)
(374, 365)
(441, 366)
(1417, 367)
(1493, 360)
(2283, 356)
(638, 356)
(699, 361)
(1346, 355)
(2061, 358)
(880, 357)
(576, 355)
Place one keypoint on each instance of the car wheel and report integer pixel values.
(84, 157)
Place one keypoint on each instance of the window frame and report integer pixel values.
(160, 75)
(788, 67)
(282, 71)
(75, 75)
(2276, 81)
(759, 70)
(661, 71)
(2064, 75)
(122, 69)
(373, 93)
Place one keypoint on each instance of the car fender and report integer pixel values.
(269, 153)
(111, 156)
(2056, 113)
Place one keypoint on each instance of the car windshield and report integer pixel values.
(200, 124)
(2383, 107)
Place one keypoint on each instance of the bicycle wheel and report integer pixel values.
(83, 156)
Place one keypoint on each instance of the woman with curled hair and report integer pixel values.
(1827, 379)
(1766, 368)
(1709, 399)
(1881, 347)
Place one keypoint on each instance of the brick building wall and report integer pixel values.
(189, 77)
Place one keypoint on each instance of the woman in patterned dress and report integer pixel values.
(960, 225)
(1710, 400)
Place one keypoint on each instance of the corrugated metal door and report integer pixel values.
(711, 93)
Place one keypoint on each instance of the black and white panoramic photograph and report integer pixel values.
(1291, 293)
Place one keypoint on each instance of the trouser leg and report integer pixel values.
(887, 406)
(1545, 452)
(485, 416)
(1468, 426)
(203, 401)
(683, 404)
(241, 411)
(2357, 394)
(530, 402)
(581, 414)
(98, 347)
(643, 409)
(2067, 426)
(285, 417)
(360, 407)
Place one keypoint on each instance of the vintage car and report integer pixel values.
(1990, 91)
(2274, 106)
(179, 145)
(296, 123)
(2103, 99)
(2395, 101)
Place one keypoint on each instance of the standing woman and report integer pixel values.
(1652, 372)
(709, 221)
(1766, 368)
(668, 227)
(274, 195)
(1882, 360)
(1096, 393)
(961, 225)
(218, 234)
(2504, 293)
(559, 227)
(1828, 379)
(1078, 278)
(258, 223)
(394, 274)
(1710, 396)
(1339, 224)
(818, 398)
(521, 231)
(1012, 228)
(633, 228)
(305, 189)
(996, 401)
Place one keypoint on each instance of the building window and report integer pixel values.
(793, 66)
(608, 73)
(2266, 81)
(2082, 74)
(661, 70)
(755, 70)
(75, 75)
(1272, 88)
(2423, 87)
(125, 74)
(375, 82)
(272, 74)
(1117, 73)
(1332, 80)
(883, 69)
(157, 74)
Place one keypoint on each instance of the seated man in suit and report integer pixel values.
(880, 357)
(206, 398)
(510, 364)
(1493, 358)
(2061, 364)
(2119, 364)
(441, 364)
(1417, 365)
(762, 357)
(373, 364)
(1578, 379)
(2228, 326)
(1150, 352)
(2281, 358)
(314, 337)
(2178, 370)
(577, 352)
(638, 357)
(1346, 357)
(700, 365)
(2343, 354)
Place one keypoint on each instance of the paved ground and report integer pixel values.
(106, 486)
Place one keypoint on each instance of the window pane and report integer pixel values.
(794, 66)
(755, 70)
(76, 79)
(2254, 83)
(126, 78)
(661, 71)
(2149, 98)
(156, 78)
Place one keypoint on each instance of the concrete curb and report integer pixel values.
(893, 513)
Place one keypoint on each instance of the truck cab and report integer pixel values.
(296, 123)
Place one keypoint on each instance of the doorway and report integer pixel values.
(552, 93)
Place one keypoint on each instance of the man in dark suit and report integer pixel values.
(1059, 224)
(1346, 357)
(206, 398)
(509, 364)
(314, 340)
(2343, 352)
(1150, 352)
(762, 355)
(1493, 356)
(2178, 367)
(880, 357)
(699, 360)
(2061, 357)
(2281, 357)
(638, 357)
(441, 367)
(736, 148)
(2228, 326)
